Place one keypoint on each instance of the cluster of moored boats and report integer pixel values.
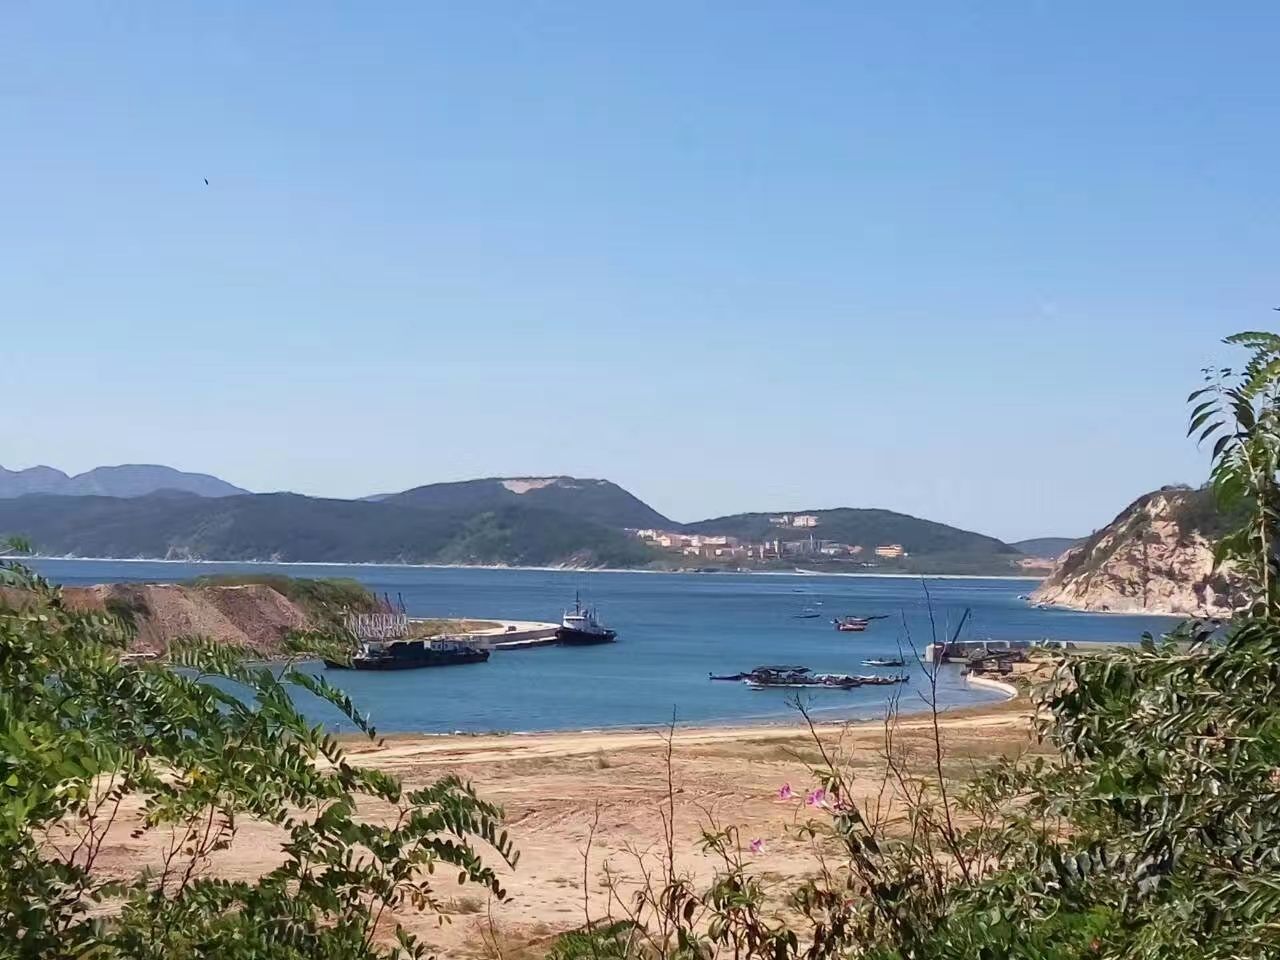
(388, 647)
(787, 675)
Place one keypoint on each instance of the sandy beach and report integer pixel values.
(555, 786)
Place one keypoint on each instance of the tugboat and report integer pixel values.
(410, 654)
(582, 627)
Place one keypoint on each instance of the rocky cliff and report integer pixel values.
(1155, 557)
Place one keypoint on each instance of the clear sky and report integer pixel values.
(963, 260)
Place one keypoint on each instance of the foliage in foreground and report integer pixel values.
(195, 756)
(1155, 833)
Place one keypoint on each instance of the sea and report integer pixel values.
(674, 631)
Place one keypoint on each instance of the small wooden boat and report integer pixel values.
(850, 624)
(884, 662)
(880, 680)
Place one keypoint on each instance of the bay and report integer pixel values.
(674, 630)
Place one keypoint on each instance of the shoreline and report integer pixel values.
(1010, 708)
(991, 683)
(1138, 612)
(782, 725)
(506, 566)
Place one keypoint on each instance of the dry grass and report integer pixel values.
(555, 786)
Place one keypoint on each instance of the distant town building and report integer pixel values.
(890, 551)
(838, 550)
(783, 520)
(804, 520)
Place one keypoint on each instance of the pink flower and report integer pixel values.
(757, 845)
(816, 798)
(784, 792)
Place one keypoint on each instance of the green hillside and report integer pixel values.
(530, 522)
(865, 528)
(289, 527)
(598, 501)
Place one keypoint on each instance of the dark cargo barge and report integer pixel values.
(411, 654)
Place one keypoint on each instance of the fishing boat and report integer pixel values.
(884, 662)
(808, 613)
(582, 627)
(850, 624)
(410, 654)
(881, 680)
(779, 669)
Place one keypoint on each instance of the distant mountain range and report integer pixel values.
(126, 480)
(289, 527)
(1045, 546)
(158, 512)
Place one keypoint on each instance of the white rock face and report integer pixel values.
(1147, 560)
(525, 484)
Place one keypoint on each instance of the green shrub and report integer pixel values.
(203, 749)
(610, 941)
(318, 596)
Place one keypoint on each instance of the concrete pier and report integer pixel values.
(516, 634)
(510, 634)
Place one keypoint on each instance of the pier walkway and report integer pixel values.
(510, 634)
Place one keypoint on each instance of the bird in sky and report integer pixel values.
(206, 181)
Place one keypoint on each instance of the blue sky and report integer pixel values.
(959, 260)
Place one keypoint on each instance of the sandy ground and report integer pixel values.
(554, 787)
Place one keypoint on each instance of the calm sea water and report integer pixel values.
(674, 629)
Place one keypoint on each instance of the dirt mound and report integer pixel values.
(253, 616)
(262, 614)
